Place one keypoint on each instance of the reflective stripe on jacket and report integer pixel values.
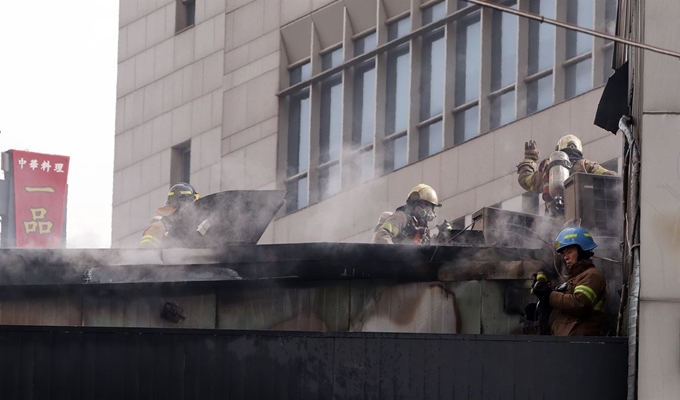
(153, 235)
(400, 228)
(579, 311)
(533, 177)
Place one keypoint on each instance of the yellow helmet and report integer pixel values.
(569, 141)
(423, 192)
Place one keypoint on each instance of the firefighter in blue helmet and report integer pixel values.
(179, 196)
(578, 304)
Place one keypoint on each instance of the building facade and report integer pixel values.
(349, 104)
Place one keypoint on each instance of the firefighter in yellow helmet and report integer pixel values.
(408, 224)
(179, 196)
(536, 178)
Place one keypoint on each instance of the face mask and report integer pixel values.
(421, 212)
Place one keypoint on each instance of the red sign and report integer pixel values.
(39, 198)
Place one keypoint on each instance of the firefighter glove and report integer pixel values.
(542, 290)
(530, 150)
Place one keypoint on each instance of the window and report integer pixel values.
(363, 108)
(397, 99)
(180, 163)
(610, 28)
(541, 51)
(503, 67)
(578, 64)
(331, 127)
(466, 79)
(297, 181)
(185, 13)
(431, 139)
(466, 112)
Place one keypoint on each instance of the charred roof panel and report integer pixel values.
(95, 363)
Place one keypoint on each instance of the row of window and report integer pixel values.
(399, 115)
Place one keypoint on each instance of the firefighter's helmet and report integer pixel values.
(569, 142)
(179, 195)
(574, 236)
(423, 192)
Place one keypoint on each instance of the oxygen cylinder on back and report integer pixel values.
(558, 171)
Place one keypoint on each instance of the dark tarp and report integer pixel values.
(614, 101)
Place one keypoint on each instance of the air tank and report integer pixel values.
(558, 170)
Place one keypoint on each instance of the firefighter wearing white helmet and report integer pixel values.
(408, 224)
(179, 196)
(567, 159)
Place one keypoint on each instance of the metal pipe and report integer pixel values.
(634, 249)
(572, 27)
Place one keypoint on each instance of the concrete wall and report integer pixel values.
(659, 324)
(169, 93)
(214, 86)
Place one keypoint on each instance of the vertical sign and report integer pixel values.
(39, 198)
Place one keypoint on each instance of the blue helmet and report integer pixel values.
(574, 236)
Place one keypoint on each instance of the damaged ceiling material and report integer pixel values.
(301, 261)
(226, 218)
(219, 278)
(217, 242)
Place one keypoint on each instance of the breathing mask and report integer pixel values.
(424, 213)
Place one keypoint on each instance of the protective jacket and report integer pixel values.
(154, 234)
(401, 227)
(535, 178)
(579, 310)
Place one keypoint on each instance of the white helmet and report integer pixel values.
(569, 142)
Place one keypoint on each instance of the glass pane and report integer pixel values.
(579, 78)
(366, 166)
(300, 73)
(539, 94)
(332, 59)
(363, 106)
(397, 90)
(610, 16)
(329, 181)
(298, 133)
(608, 62)
(432, 79)
(431, 140)
(502, 109)
(396, 156)
(400, 155)
(467, 60)
(296, 196)
(434, 13)
(465, 125)
(579, 12)
(364, 44)
(186, 166)
(399, 28)
(541, 36)
(331, 114)
(462, 4)
(504, 49)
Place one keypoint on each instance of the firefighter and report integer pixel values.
(408, 224)
(536, 178)
(578, 305)
(179, 196)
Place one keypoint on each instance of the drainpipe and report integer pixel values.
(633, 215)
